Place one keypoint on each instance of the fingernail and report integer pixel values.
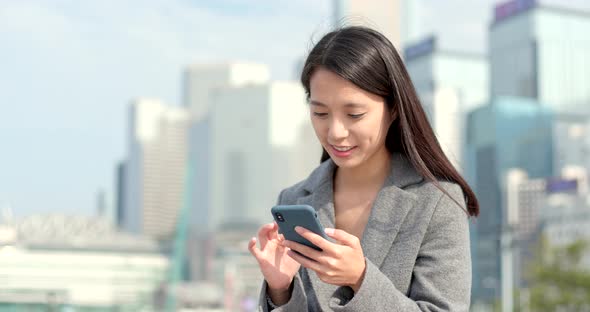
(329, 231)
(298, 229)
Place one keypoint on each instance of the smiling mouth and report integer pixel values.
(343, 148)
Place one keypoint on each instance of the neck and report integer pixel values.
(373, 172)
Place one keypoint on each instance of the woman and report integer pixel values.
(386, 193)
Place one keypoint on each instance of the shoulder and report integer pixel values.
(439, 202)
(317, 177)
(435, 192)
(289, 195)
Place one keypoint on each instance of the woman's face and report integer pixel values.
(350, 122)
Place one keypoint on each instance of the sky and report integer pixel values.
(69, 69)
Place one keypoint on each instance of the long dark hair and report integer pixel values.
(366, 58)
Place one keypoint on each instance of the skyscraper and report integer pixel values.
(156, 167)
(251, 131)
(449, 84)
(201, 78)
(243, 140)
(201, 81)
(245, 151)
(250, 127)
(541, 51)
(120, 191)
(507, 133)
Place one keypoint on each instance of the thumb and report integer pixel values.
(342, 237)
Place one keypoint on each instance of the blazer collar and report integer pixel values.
(402, 174)
(389, 208)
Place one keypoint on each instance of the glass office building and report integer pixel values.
(508, 133)
(541, 51)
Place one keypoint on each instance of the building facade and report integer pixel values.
(500, 136)
(155, 168)
(80, 263)
(539, 50)
(449, 85)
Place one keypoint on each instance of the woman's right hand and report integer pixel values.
(277, 267)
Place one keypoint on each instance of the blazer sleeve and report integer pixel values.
(298, 300)
(441, 279)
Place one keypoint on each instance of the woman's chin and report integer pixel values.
(345, 162)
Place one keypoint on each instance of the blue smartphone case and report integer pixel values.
(290, 216)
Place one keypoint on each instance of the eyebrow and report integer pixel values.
(352, 105)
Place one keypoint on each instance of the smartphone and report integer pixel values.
(290, 216)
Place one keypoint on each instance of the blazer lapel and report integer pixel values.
(389, 210)
(387, 214)
(321, 194)
(320, 197)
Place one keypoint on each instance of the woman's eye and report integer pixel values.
(356, 116)
(320, 114)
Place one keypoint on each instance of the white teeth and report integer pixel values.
(342, 149)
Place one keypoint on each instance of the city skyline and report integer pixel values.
(72, 69)
(145, 142)
(64, 148)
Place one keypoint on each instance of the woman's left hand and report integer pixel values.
(341, 264)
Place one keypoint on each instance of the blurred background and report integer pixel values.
(142, 143)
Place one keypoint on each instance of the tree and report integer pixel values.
(558, 279)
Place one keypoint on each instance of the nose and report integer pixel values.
(337, 131)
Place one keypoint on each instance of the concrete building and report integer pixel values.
(156, 167)
(565, 217)
(522, 202)
(246, 149)
(535, 208)
(251, 127)
(253, 130)
(200, 82)
(200, 78)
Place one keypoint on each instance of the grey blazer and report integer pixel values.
(416, 246)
